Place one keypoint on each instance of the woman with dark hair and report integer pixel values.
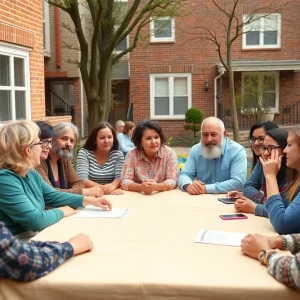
(124, 138)
(254, 190)
(99, 161)
(47, 133)
(256, 138)
(151, 166)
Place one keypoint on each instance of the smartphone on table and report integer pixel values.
(227, 200)
(233, 217)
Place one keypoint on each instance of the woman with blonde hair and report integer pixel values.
(23, 193)
(284, 209)
(124, 139)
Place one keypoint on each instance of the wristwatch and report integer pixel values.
(261, 256)
(185, 186)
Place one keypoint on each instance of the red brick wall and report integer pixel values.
(201, 58)
(21, 23)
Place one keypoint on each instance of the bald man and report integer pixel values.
(216, 164)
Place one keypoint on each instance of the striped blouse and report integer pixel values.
(89, 168)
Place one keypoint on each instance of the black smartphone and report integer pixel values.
(227, 200)
(233, 217)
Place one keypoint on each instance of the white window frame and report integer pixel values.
(21, 52)
(171, 116)
(261, 34)
(153, 39)
(46, 33)
(276, 75)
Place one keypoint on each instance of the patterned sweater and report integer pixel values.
(28, 261)
(283, 268)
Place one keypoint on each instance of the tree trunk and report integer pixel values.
(100, 106)
(234, 119)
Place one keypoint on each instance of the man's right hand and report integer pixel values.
(67, 210)
(81, 243)
(196, 188)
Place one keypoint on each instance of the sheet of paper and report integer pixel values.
(207, 236)
(95, 212)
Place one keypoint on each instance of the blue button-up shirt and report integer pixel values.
(220, 175)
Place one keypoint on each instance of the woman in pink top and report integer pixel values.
(151, 166)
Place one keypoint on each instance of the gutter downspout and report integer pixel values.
(57, 37)
(215, 91)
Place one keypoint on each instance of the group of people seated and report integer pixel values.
(39, 186)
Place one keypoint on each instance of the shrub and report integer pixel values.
(193, 118)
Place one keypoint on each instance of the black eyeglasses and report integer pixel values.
(44, 143)
(269, 149)
(253, 139)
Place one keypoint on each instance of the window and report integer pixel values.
(170, 95)
(123, 44)
(162, 30)
(14, 83)
(46, 29)
(261, 89)
(262, 32)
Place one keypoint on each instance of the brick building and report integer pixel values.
(175, 71)
(22, 62)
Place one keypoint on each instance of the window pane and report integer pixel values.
(255, 25)
(20, 101)
(269, 83)
(269, 99)
(122, 46)
(161, 106)
(180, 86)
(271, 23)
(70, 94)
(252, 38)
(19, 71)
(5, 106)
(180, 105)
(270, 38)
(163, 28)
(161, 87)
(4, 70)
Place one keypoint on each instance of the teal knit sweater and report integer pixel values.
(23, 200)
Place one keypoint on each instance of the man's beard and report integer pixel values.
(212, 151)
(62, 154)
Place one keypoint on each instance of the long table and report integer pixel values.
(151, 254)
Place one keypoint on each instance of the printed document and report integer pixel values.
(207, 236)
(95, 212)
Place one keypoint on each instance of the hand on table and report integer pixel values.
(197, 187)
(244, 204)
(234, 194)
(148, 187)
(81, 243)
(95, 191)
(117, 192)
(108, 188)
(101, 202)
(253, 244)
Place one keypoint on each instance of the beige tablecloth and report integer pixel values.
(151, 254)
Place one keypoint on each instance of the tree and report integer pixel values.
(194, 118)
(109, 24)
(223, 23)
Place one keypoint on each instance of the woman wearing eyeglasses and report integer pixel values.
(55, 168)
(284, 208)
(23, 193)
(254, 190)
(256, 138)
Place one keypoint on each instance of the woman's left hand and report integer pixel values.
(272, 165)
(252, 244)
(108, 188)
(244, 204)
(117, 192)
